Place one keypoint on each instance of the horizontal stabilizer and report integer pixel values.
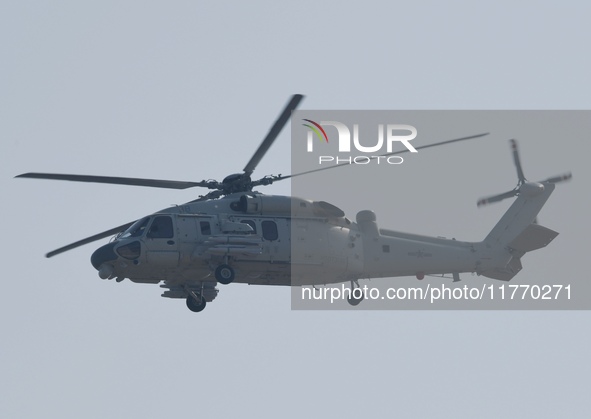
(532, 238)
(506, 273)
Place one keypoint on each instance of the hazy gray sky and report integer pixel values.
(187, 90)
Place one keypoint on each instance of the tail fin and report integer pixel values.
(520, 215)
(517, 232)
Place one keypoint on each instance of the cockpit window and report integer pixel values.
(161, 228)
(136, 229)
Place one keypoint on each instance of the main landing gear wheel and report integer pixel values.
(195, 305)
(224, 274)
(354, 301)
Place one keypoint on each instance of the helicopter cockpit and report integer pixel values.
(136, 229)
(161, 228)
(153, 234)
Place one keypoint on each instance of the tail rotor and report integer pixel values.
(523, 185)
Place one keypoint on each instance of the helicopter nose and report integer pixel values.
(103, 254)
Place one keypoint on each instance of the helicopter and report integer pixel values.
(234, 234)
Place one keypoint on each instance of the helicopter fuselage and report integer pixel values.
(276, 240)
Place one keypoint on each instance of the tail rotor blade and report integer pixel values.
(560, 178)
(522, 181)
(517, 161)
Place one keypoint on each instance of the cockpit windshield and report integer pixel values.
(136, 229)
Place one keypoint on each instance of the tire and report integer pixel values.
(194, 305)
(354, 301)
(224, 274)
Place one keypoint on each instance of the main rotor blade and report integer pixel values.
(517, 161)
(273, 133)
(497, 198)
(383, 155)
(89, 239)
(154, 183)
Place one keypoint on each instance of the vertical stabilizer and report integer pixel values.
(521, 214)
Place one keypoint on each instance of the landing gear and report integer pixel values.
(224, 274)
(354, 301)
(195, 302)
(356, 295)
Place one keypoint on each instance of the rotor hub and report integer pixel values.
(237, 182)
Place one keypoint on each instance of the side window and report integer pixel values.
(252, 224)
(161, 228)
(269, 230)
(205, 228)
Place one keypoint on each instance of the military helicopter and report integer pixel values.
(236, 234)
